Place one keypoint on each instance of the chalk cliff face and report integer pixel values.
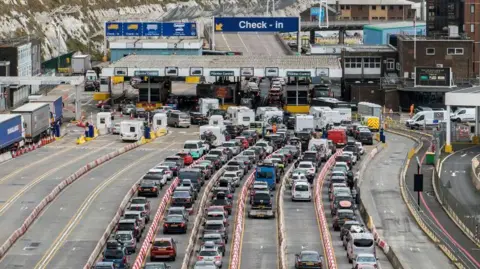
(66, 25)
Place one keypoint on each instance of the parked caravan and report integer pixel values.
(345, 113)
(244, 117)
(369, 109)
(261, 111)
(320, 146)
(303, 122)
(271, 117)
(207, 104)
(464, 114)
(323, 117)
(56, 106)
(216, 120)
(427, 119)
(36, 120)
(104, 122)
(159, 121)
(131, 130)
(213, 134)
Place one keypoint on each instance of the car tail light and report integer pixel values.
(217, 258)
(154, 248)
(154, 188)
(165, 225)
(182, 224)
(140, 189)
(199, 258)
(169, 248)
(375, 266)
(124, 260)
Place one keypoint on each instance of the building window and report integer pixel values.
(347, 7)
(390, 64)
(390, 7)
(400, 7)
(472, 8)
(360, 7)
(383, 7)
(374, 7)
(398, 66)
(342, 7)
(382, 18)
(454, 51)
(472, 28)
(430, 51)
(374, 18)
(366, 62)
(377, 62)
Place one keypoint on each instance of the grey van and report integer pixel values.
(178, 119)
(194, 174)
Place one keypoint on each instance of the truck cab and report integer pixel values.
(266, 173)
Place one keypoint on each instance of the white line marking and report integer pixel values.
(226, 42)
(241, 40)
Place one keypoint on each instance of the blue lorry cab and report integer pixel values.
(266, 174)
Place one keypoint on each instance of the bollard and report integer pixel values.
(147, 132)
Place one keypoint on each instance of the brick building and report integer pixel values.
(472, 29)
(367, 10)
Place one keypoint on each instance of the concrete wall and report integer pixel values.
(117, 54)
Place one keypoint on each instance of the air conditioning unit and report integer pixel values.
(439, 65)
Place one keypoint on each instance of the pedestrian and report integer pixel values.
(274, 128)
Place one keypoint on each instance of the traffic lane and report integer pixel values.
(22, 196)
(301, 228)
(230, 228)
(456, 171)
(60, 212)
(381, 195)
(78, 246)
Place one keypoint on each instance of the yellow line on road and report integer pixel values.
(27, 187)
(61, 238)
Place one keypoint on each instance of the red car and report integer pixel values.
(243, 140)
(163, 248)
(187, 158)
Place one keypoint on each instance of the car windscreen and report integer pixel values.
(181, 194)
(189, 175)
(301, 187)
(248, 153)
(262, 144)
(363, 243)
(208, 158)
(113, 254)
(310, 257)
(310, 155)
(232, 168)
(190, 146)
(214, 217)
(342, 215)
(147, 184)
(136, 208)
(229, 144)
(161, 244)
(130, 216)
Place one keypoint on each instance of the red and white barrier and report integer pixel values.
(238, 229)
(142, 254)
(327, 241)
(55, 192)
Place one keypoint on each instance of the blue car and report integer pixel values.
(117, 254)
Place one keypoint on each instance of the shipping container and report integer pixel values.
(36, 120)
(56, 106)
(11, 130)
(379, 34)
(81, 63)
(369, 109)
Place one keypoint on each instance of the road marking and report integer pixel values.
(27, 187)
(226, 42)
(61, 238)
(463, 155)
(240, 37)
(16, 172)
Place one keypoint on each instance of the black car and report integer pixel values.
(352, 148)
(222, 200)
(198, 118)
(175, 224)
(294, 150)
(148, 188)
(234, 130)
(261, 199)
(182, 198)
(308, 260)
(366, 137)
(312, 156)
(215, 160)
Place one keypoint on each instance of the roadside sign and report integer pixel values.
(113, 29)
(221, 92)
(179, 29)
(132, 29)
(256, 24)
(146, 73)
(299, 74)
(433, 76)
(152, 29)
(222, 73)
(246, 71)
(318, 13)
(271, 72)
(120, 71)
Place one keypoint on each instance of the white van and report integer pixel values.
(464, 114)
(195, 147)
(159, 121)
(427, 118)
(301, 191)
(104, 122)
(360, 243)
(131, 130)
(213, 134)
(304, 122)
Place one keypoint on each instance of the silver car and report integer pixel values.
(116, 128)
(138, 216)
(232, 145)
(129, 241)
(210, 252)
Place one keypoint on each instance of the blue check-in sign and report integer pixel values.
(256, 24)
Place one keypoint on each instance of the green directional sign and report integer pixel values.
(299, 74)
(146, 73)
(222, 73)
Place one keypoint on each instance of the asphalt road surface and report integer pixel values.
(249, 43)
(380, 192)
(74, 222)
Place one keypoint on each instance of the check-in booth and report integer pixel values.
(104, 122)
(159, 121)
(298, 91)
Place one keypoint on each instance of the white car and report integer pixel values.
(301, 191)
(311, 169)
(342, 164)
(168, 173)
(365, 259)
(233, 176)
(352, 155)
(360, 147)
(266, 146)
(116, 128)
(231, 145)
(157, 174)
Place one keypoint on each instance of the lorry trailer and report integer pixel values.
(11, 131)
(56, 107)
(36, 120)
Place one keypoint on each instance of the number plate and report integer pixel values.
(309, 263)
(261, 216)
(174, 225)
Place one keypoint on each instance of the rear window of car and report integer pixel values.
(161, 244)
(363, 243)
(310, 155)
(113, 254)
(213, 226)
(262, 196)
(301, 187)
(208, 253)
(126, 226)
